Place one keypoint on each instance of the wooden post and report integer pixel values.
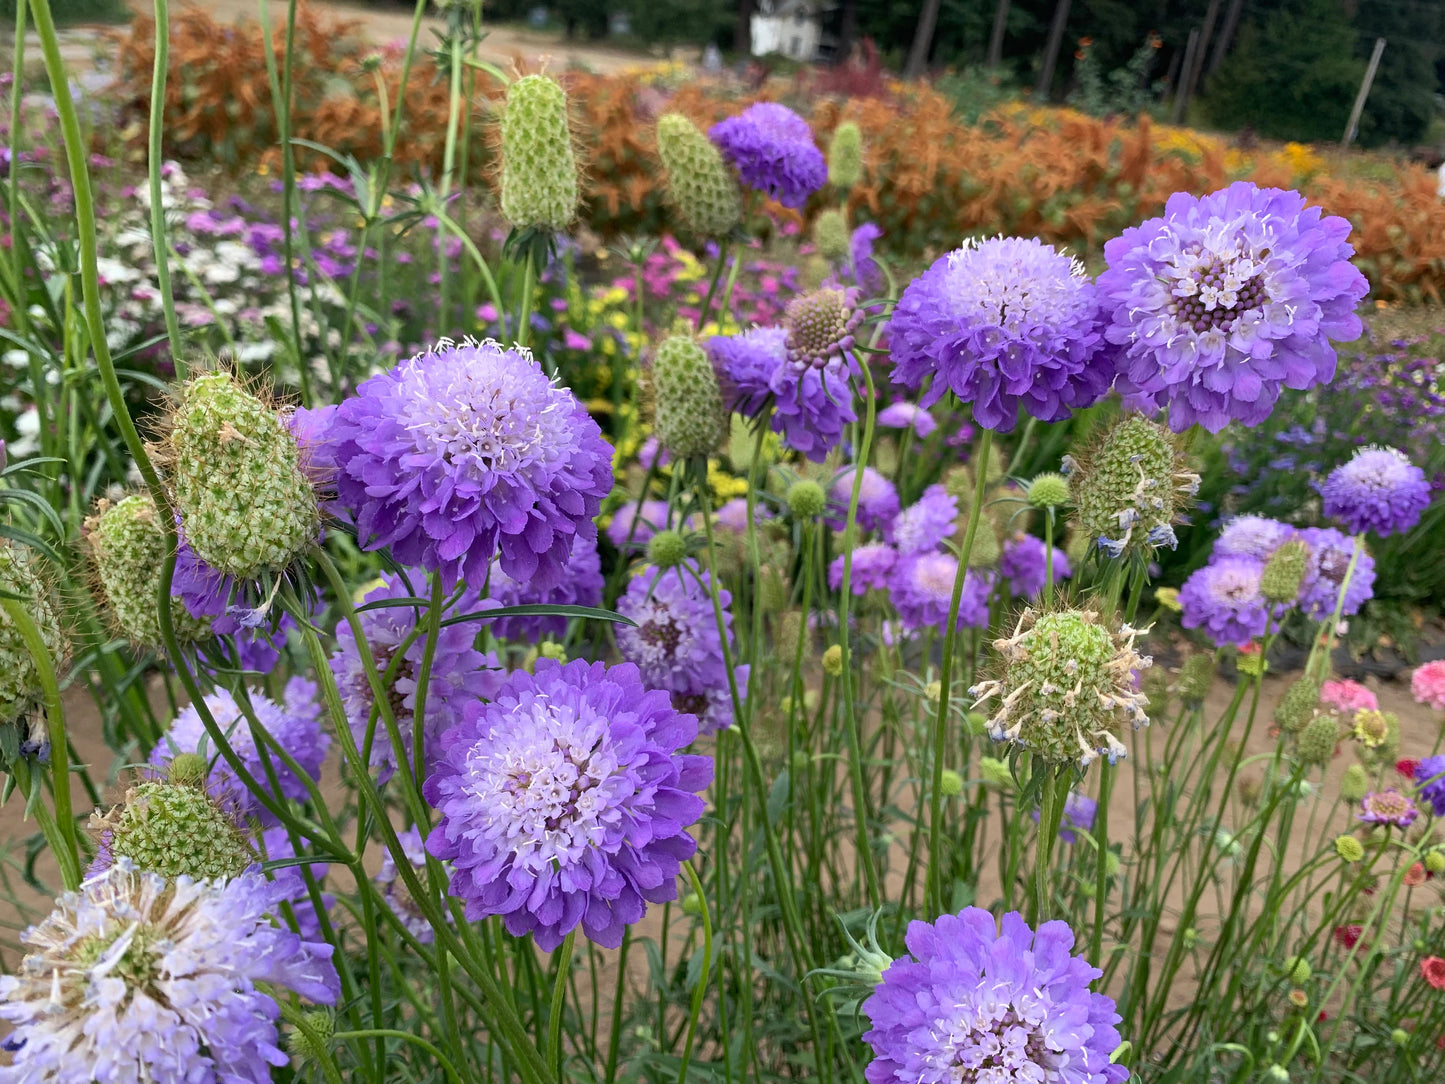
(922, 40)
(1352, 129)
(1181, 89)
(1204, 35)
(995, 39)
(1051, 50)
(1226, 36)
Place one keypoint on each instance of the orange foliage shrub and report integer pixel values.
(929, 180)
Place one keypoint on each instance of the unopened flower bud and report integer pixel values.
(821, 326)
(1400, 1037)
(830, 235)
(310, 1036)
(1317, 741)
(1355, 784)
(1048, 491)
(539, 168)
(1195, 678)
(833, 661)
(1297, 707)
(985, 552)
(19, 679)
(950, 783)
(666, 549)
(806, 499)
(1349, 848)
(996, 773)
(845, 155)
(1285, 571)
(1297, 969)
(690, 419)
(187, 770)
(1435, 862)
(700, 184)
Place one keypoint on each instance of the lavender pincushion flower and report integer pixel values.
(905, 415)
(634, 523)
(466, 451)
(1079, 813)
(1329, 560)
(872, 565)
(811, 404)
(1224, 599)
(921, 589)
(459, 672)
(923, 525)
(1430, 775)
(877, 500)
(773, 151)
(1388, 807)
(135, 978)
(1226, 300)
(565, 801)
(582, 586)
(295, 724)
(1252, 536)
(675, 642)
(276, 843)
(1023, 563)
(1003, 323)
(976, 1003)
(864, 270)
(394, 890)
(1378, 490)
(232, 610)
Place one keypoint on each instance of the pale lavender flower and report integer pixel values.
(1224, 599)
(1388, 806)
(1252, 536)
(1329, 560)
(394, 890)
(276, 846)
(1023, 563)
(904, 415)
(877, 500)
(921, 588)
(1378, 490)
(925, 524)
(872, 566)
(633, 524)
(582, 586)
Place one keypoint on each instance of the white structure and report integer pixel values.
(790, 27)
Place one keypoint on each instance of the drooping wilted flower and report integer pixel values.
(459, 673)
(19, 680)
(675, 642)
(773, 151)
(1224, 599)
(581, 586)
(1064, 685)
(877, 499)
(467, 451)
(976, 1004)
(226, 606)
(137, 978)
(923, 525)
(921, 589)
(295, 724)
(565, 801)
(1226, 300)
(698, 180)
(1329, 560)
(1002, 323)
(539, 169)
(1388, 806)
(245, 503)
(1378, 490)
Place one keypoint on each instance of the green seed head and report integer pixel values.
(833, 660)
(1435, 862)
(1297, 969)
(995, 773)
(1400, 1037)
(127, 548)
(245, 504)
(690, 419)
(187, 770)
(1297, 707)
(1132, 488)
(310, 1041)
(950, 783)
(1317, 741)
(1048, 491)
(830, 234)
(1285, 571)
(806, 499)
(177, 829)
(666, 549)
(845, 155)
(539, 169)
(1349, 848)
(699, 182)
(1355, 784)
(19, 680)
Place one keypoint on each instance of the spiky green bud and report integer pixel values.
(310, 1035)
(1317, 741)
(690, 419)
(1355, 784)
(666, 549)
(699, 182)
(950, 783)
(19, 680)
(539, 169)
(245, 504)
(1349, 848)
(830, 234)
(1048, 491)
(833, 660)
(187, 770)
(845, 155)
(1285, 571)
(1131, 489)
(177, 829)
(806, 499)
(1297, 970)
(127, 548)
(1297, 707)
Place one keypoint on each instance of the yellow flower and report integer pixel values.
(1168, 597)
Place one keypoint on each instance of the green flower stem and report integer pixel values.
(695, 1009)
(1320, 659)
(559, 998)
(1051, 818)
(449, 157)
(523, 334)
(1101, 858)
(732, 281)
(1048, 557)
(945, 683)
(159, 244)
(614, 1031)
(68, 854)
(722, 258)
(423, 682)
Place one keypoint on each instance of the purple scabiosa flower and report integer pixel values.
(1252, 536)
(1329, 560)
(1388, 806)
(582, 586)
(653, 454)
(773, 151)
(675, 643)
(1002, 323)
(295, 724)
(925, 524)
(1223, 598)
(921, 588)
(459, 673)
(1378, 490)
(232, 611)
(864, 270)
(1430, 775)
(1022, 562)
(877, 500)
(733, 515)
(633, 523)
(1226, 300)
(466, 451)
(566, 801)
(276, 843)
(973, 1003)
(1079, 813)
(137, 978)
(903, 415)
(394, 891)
(872, 566)
(811, 405)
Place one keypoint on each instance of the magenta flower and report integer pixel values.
(1388, 806)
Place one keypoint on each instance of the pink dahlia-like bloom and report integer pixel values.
(1226, 300)
(1388, 806)
(1223, 598)
(1348, 697)
(468, 451)
(1003, 324)
(1427, 684)
(566, 800)
(1378, 490)
(773, 150)
(978, 1003)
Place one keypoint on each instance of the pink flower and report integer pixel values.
(1428, 684)
(1348, 697)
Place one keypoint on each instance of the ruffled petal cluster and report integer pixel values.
(1378, 490)
(773, 151)
(581, 586)
(1224, 599)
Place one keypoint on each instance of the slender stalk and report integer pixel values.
(559, 998)
(695, 1010)
(160, 247)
